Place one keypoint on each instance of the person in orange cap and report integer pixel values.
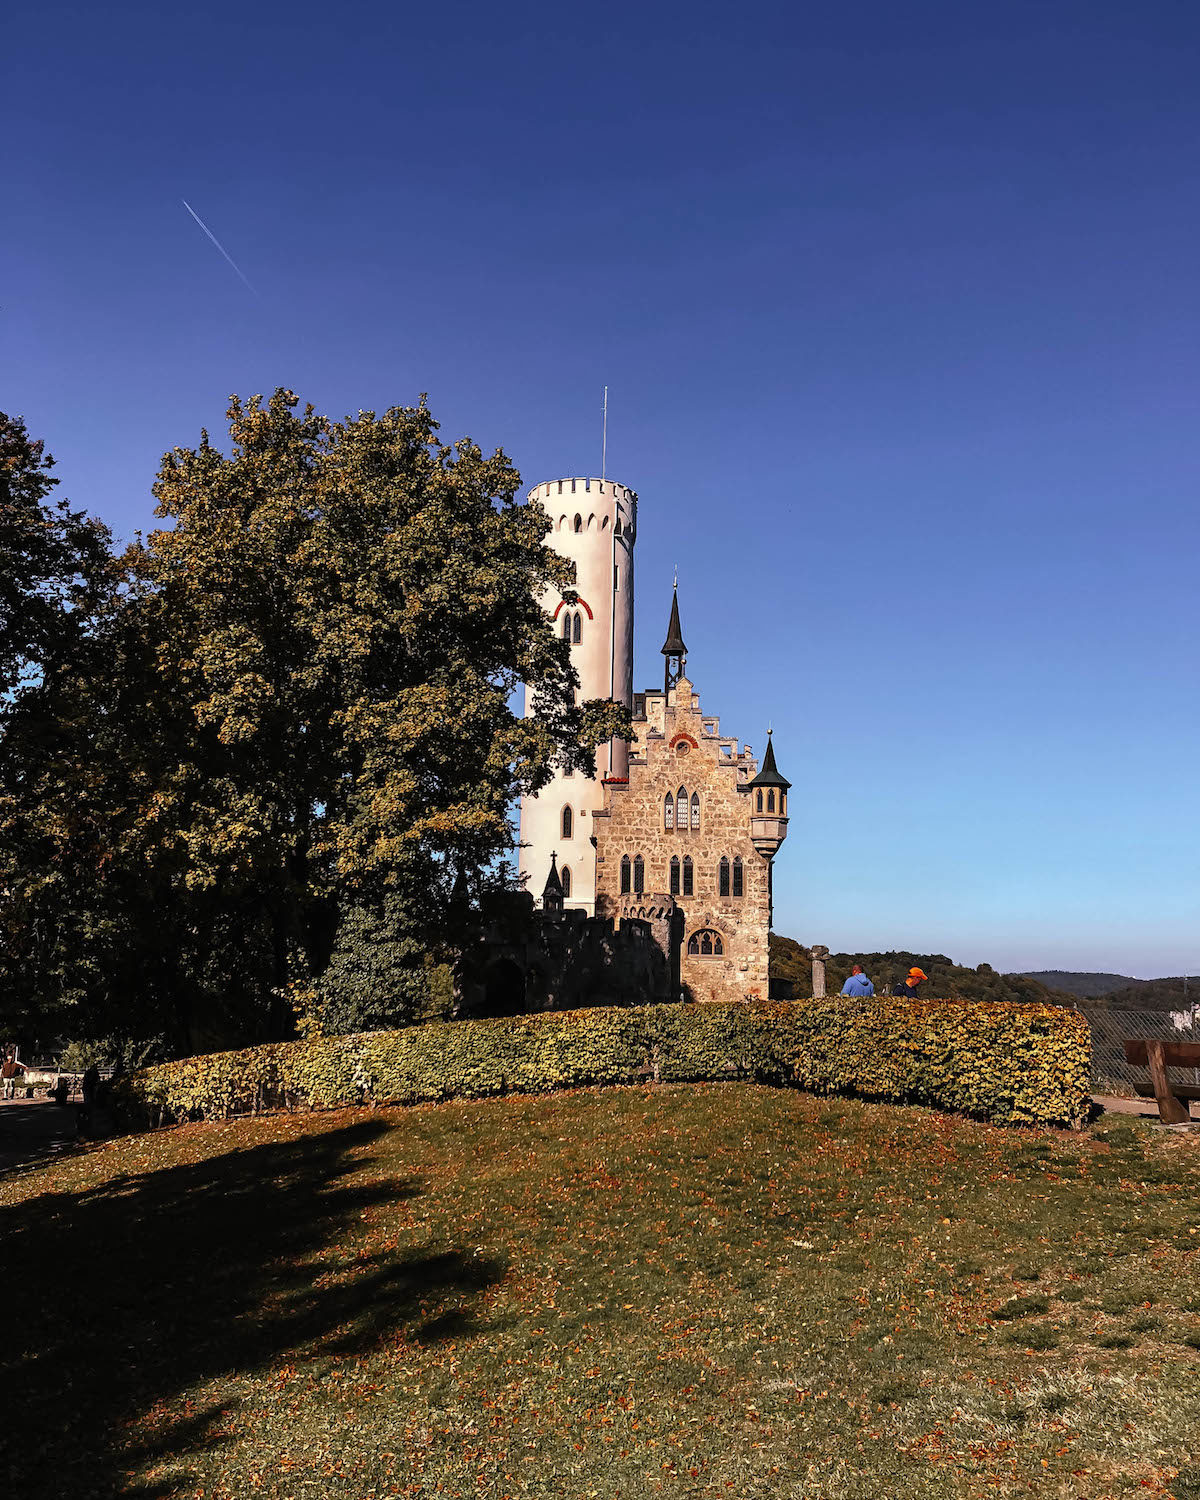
(910, 986)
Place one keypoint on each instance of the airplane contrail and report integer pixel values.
(217, 243)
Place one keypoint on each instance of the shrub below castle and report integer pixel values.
(1010, 1064)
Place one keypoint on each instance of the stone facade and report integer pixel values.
(679, 753)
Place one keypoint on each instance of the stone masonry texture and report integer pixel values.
(676, 745)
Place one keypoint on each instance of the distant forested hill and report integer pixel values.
(1155, 994)
(1084, 985)
(946, 978)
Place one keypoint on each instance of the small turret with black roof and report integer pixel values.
(673, 649)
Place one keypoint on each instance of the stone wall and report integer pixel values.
(678, 746)
(531, 960)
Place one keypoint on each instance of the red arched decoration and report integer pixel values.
(574, 602)
(684, 739)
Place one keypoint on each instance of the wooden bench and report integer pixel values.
(1158, 1057)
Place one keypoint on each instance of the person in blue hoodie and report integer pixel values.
(858, 983)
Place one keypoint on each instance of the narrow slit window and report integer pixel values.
(577, 628)
(565, 877)
(626, 874)
(578, 523)
(770, 801)
(675, 875)
(566, 625)
(738, 877)
(639, 875)
(568, 823)
(758, 801)
(688, 875)
(723, 878)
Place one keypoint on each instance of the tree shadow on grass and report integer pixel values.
(126, 1296)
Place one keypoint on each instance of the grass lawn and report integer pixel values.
(719, 1290)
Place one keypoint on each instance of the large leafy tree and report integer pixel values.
(52, 561)
(304, 703)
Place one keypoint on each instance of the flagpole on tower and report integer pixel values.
(604, 440)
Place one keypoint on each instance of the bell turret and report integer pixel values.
(673, 649)
(552, 891)
(768, 807)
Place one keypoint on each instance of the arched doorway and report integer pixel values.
(503, 988)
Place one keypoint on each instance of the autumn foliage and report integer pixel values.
(1010, 1064)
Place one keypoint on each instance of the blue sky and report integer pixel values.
(898, 310)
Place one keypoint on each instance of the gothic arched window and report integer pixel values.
(626, 874)
(566, 625)
(565, 876)
(758, 800)
(723, 877)
(738, 881)
(577, 628)
(675, 875)
(770, 801)
(578, 523)
(668, 812)
(639, 875)
(688, 875)
(695, 812)
(568, 823)
(681, 809)
(706, 944)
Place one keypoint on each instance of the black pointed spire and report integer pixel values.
(673, 645)
(769, 775)
(552, 891)
(674, 649)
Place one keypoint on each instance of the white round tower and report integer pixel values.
(593, 525)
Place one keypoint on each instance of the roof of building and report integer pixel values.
(553, 886)
(769, 775)
(673, 646)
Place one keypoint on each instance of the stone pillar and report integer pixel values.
(819, 955)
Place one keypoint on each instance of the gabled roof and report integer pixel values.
(673, 646)
(769, 775)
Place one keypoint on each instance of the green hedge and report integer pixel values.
(1011, 1064)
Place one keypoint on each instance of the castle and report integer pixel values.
(678, 828)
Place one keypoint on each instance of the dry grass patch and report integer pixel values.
(717, 1290)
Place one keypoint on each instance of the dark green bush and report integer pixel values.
(1012, 1064)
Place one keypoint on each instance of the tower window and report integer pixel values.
(758, 800)
(681, 808)
(695, 812)
(668, 812)
(578, 522)
(675, 875)
(723, 878)
(770, 801)
(565, 876)
(617, 527)
(568, 823)
(560, 486)
(577, 628)
(626, 874)
(639, 875)
(689, 883)
(738, 881)
(616, 579)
